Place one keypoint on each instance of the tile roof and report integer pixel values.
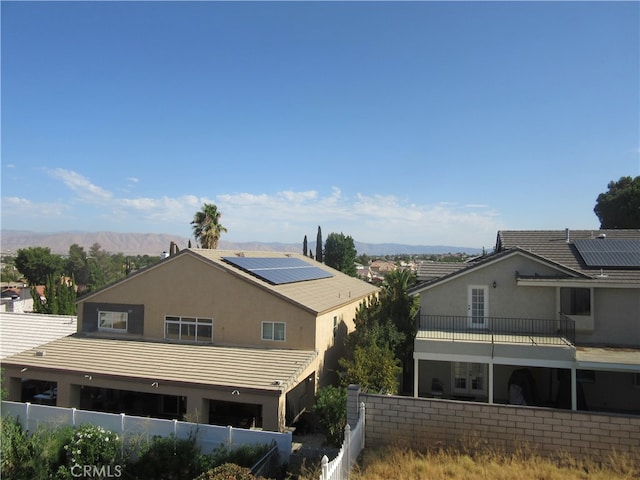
(428, 270)
(264, 369)
(318, 296)
(557, 246)
(23, 331)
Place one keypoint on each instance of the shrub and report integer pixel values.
(331, 409)
(92, 445)
(227, 471)
(168, 458)
(15, 452)
(243, 455)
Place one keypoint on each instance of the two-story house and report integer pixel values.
(221, 337)
(549, 318)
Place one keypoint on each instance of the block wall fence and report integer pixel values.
(426, 422)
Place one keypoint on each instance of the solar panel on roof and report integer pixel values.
(279, 270)
(604, 252)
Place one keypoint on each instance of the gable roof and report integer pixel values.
(496, 257)
(317, 296)
(558, 246)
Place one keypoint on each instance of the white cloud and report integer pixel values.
(22, 207)
(86, 190)
(284, 216)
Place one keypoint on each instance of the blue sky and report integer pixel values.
(416, 122)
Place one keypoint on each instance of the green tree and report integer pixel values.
(9, 271)
(400, 308)
(363, 259)
(37, 263)
(372, 366)
(305, 247)
(59, 297)
(331, 410)
(99, 266)
(207, 227)
(619, 207)
(319, 256)
(340, 253)
(371, 361)
(76, 264)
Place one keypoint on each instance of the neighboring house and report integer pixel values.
(382, 267)
(24, 331)
(222, 337)
(550, 318)
(17, 298)
(21, 332)
(430, 270)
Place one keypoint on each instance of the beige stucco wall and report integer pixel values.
(506, 300)
(617, 318)
(330, 342)
(191, 287)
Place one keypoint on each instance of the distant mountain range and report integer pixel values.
(155, 243)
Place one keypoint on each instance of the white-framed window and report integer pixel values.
(188, 329)
(273, 331)
(113, 321)
(469, 378)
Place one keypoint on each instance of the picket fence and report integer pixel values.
(208, 437)
(339, 467)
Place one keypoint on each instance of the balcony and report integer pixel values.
(497, 330)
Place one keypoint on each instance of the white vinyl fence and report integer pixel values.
(339, 467)
(208, 437)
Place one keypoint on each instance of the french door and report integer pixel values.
(469, 378)
(478, 306)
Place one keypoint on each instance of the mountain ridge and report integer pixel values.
(155, 243)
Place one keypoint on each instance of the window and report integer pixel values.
(113, 321)
(575, 301)
(469, 378)
(188, 329)
(273, 331)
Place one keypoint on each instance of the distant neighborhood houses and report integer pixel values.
(246, 338)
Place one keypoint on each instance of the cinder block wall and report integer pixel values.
(425, 422)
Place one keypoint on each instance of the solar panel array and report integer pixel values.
(278, 270)
(605, 252)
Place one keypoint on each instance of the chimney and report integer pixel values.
(566, 235)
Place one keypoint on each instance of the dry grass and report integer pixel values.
(404, 463)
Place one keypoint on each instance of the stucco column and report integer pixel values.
(490, 382)
(197, 408)
(574, 391)
(416, 376)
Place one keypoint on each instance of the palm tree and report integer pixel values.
(206, 226)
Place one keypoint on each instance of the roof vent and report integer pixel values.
(602, 236)
(566, 235)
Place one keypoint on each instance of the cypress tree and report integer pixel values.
(319, 245)
(304, 246)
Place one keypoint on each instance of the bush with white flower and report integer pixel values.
(93, 445)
